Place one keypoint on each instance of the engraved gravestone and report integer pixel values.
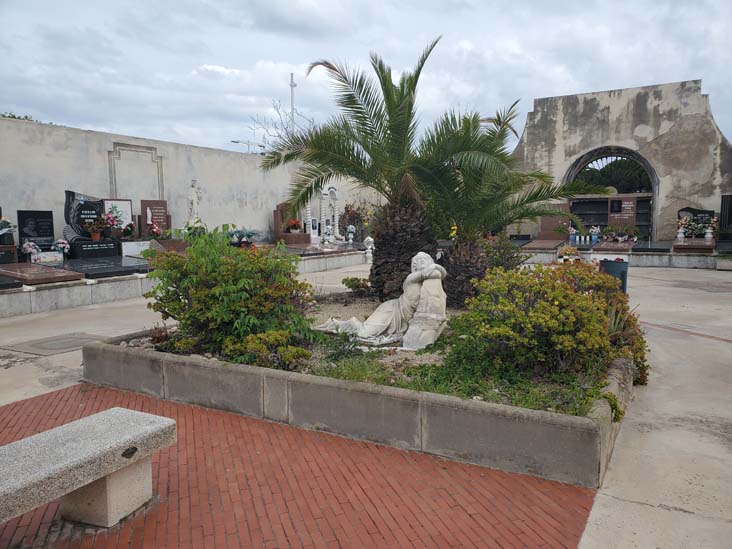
(36, 226)
(79, 210)
(154, 211)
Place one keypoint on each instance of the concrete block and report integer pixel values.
(147, 284)
(722, 264)
(359, 410)
(553, 446)
(14, 303)
(222, 385)
(124, 367)
(108, 500)
(60, 297)
(116, 289)
(275, 398)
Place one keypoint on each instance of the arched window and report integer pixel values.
(623, 169)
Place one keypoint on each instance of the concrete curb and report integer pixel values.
(555, 446)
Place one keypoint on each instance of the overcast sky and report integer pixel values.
(197, 71)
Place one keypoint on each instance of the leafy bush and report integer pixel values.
(269, 349)
(217, 293)
(501, 252)
(359, 286)
(626, 336)
(529, 323)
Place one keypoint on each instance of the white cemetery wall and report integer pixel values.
(39, 161)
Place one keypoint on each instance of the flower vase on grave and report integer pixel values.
(95, 236)
(573, 239)
(680, 235)
(708, 234)
(595, 238)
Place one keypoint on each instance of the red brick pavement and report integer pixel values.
(233, 481)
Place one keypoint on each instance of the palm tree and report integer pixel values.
(476, 184)
(372, 142)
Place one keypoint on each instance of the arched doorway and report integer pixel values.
(634, 183)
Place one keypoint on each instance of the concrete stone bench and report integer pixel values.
(99, 466)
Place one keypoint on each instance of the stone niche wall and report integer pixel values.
(669, 125)
(39, 161)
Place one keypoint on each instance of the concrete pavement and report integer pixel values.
(669, 482)
(23, 375)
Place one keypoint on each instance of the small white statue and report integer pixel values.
(194, 201)
(389, 322)
(368, 242)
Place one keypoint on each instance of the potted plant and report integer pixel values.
(128, 230)
(6, 232)
(241, 238)
(154, 230)
(95, 228)
(572, 234)
(293, 226)
(595, 233)
(62, 246)
(568, 254)
(29, 249)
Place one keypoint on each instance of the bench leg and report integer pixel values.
(108, 500)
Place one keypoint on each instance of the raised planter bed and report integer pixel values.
(555, 446)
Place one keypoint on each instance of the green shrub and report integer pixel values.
(269, 349)
(217, 292)
(626, 336)
(501, 252)
(531, 323)
(359, 286)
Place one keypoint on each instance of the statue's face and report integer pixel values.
(420, 261)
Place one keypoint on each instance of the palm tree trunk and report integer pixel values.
(464, 261)
(399, 231)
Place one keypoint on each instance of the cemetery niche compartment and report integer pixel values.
(618, 210)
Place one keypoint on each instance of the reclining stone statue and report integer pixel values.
(417, 317)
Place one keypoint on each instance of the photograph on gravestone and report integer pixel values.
(79, 210)
(154, 211)
(36, 226)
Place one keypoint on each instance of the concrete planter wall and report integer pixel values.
(724, 263)
(554, 446)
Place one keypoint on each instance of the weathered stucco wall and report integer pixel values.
(670, 125)
(39, 161)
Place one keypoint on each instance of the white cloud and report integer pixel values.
(197, 71)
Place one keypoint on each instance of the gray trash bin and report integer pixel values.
(618, 269)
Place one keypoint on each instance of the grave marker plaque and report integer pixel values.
(622, 211)
(36, 226)
(155, 211)
(103, 248)
(29, 273)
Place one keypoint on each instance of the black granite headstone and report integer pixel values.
(36, 226)
(105, 267)
(80, 209)
(7, 283)
(696, 215)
